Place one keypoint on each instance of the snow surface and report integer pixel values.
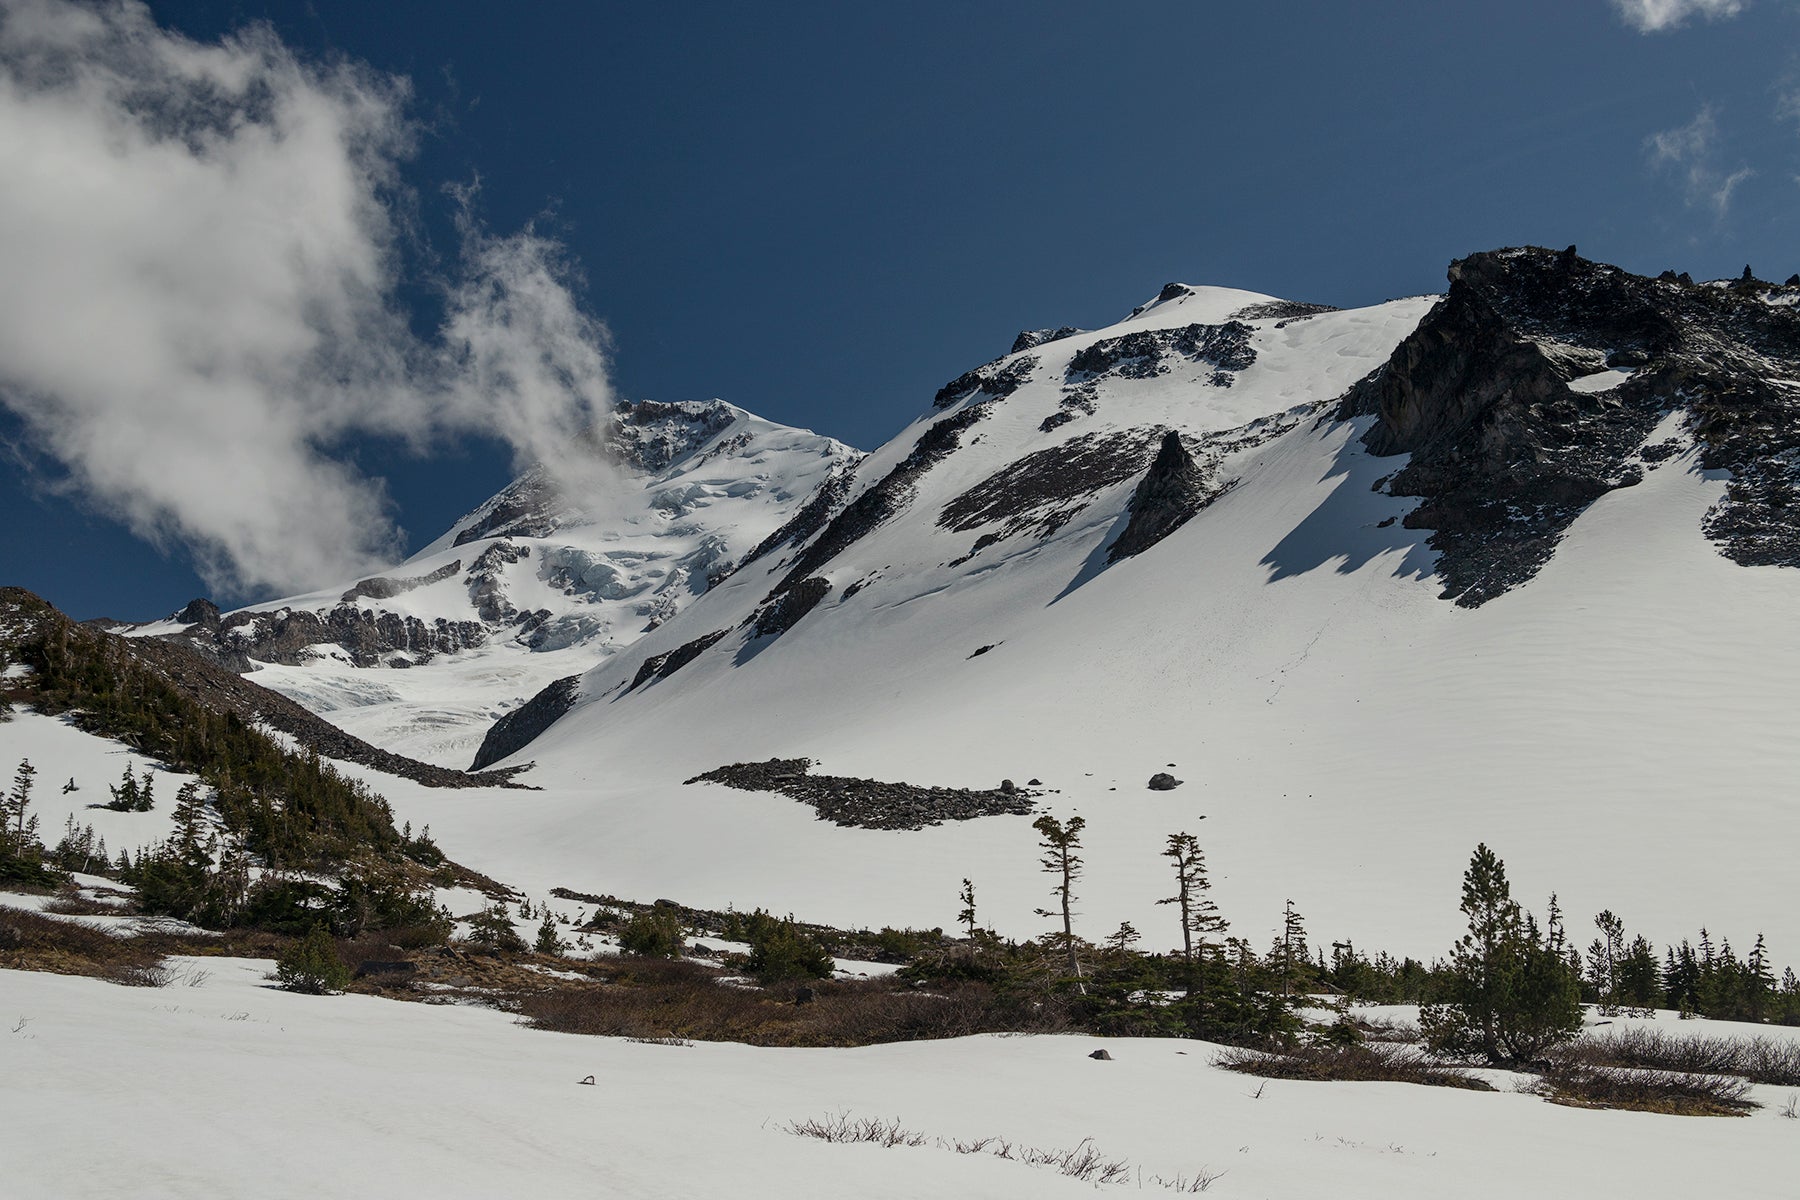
(231, 1088)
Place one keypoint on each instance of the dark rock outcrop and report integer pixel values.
(1042, 491)
(1148, 353)
(1162, 781)
(520, 727)
(661, 666)
(812, 515)
(885, 499)
(201, 611)
(784, 609)
(868, 803)
(996, 380)
(383, 588)
(1171, 492)
(1505, 454)
(1031, 338)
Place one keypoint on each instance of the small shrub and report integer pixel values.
(1323, 1061)
(1671, 1092)
(786, 952)
(311, 965)
(655, 933)
(492, 929)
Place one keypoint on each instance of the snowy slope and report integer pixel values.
(354, 1095)
(531, 585)
(1615, 729)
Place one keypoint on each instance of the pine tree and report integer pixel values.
(1604, 958)
(1292, 946)
(1121, 941)
(1199, 915)
(1512, 992)
(548, 942)
(1060, 844)
(966, 915)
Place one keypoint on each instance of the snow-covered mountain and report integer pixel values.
(530, 586)
(1509, 564)
(1492, 566)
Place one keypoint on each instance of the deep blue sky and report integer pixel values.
(822, 212)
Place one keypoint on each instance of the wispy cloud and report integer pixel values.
(199, 308)
(1690, 152)
(1655, 16)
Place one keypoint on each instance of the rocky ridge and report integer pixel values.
(1532, 389)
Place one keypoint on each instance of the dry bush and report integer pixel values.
(76, 905)
(842, 1127)
(1085, 1162)
(31, 941)
(1387, 1029)
(1362, 1063)
(1758, 1059)
(1675, 1093)
(658, 999)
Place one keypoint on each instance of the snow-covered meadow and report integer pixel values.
(230, 1088)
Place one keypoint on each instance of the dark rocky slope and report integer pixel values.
(1505, 455)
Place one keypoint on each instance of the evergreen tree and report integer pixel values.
(1061, 843)
(1292, 947)
(312, 965)
(1199, 915)
(966, 915)
(1512, 993)
(548, 941)
(1604, 958)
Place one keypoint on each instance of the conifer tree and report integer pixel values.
(1061, 843)
(1512, 992)
(965, 916)
(1199, 915)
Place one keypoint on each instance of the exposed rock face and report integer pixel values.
(382, 588)
(1505, 454)
(996, 380)
(1150, 352)
(527, 508)
(885, 499)
(518, 728)
(1043, 491)
(1171, 492)
(661, 666)
(784, 609)
(201, 612)
(868, 803)
(811, 518)
(370, 638)
(1283, 311)
(1031, 338)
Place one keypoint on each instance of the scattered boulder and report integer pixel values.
(1101, 1056)
(1008, 787)
(1162, 781)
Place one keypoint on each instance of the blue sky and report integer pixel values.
(822, 212)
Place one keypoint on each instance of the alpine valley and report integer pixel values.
(1514, 564)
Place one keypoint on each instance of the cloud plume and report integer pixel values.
(199, 308)
(1655, 16)
(1691, 152)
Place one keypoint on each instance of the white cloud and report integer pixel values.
(198, 308)
(1654, 16)
(1690, 152)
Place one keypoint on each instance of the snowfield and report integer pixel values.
(136, 1092)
